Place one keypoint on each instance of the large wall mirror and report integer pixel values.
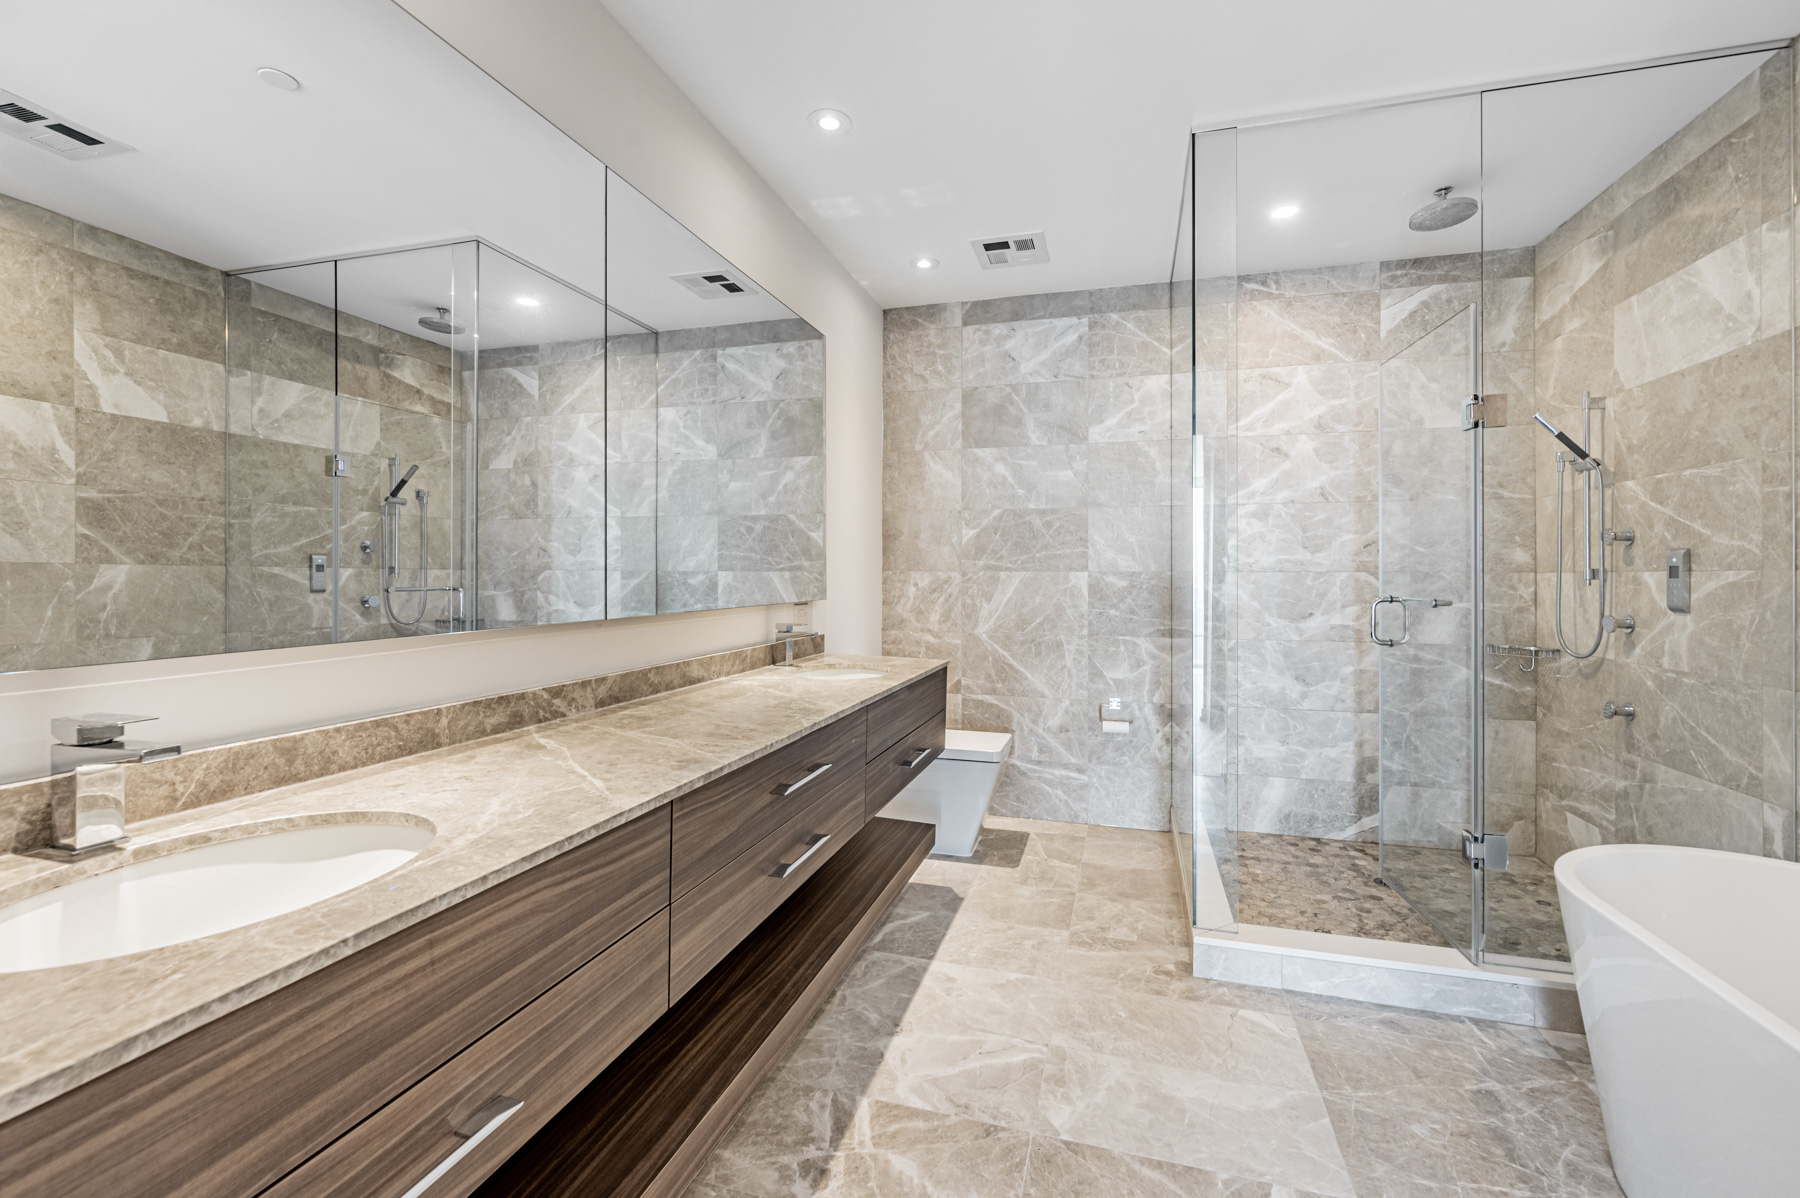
(381, 354)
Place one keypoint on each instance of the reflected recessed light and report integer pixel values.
(281, 79)
(1284, 211)
(925, 263)
(830, 120)
(527, 301)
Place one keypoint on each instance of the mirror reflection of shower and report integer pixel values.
(390, 555)
(1594, 549)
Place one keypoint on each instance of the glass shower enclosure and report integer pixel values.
(1428, 643)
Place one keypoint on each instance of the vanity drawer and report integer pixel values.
(889, 773)
(720, 820)
(229, 1108)
(893, 717)
(541, 1058)
(712, 918)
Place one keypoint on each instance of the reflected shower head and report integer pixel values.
(1442, 212)
(440, 323)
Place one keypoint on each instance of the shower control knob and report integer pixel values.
(1624, 624)
(1620, 709)
(1623, 536)
(371, 601)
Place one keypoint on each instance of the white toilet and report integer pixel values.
(954, 790)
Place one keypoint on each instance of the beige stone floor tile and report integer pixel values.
(1016, 948)
(791, 1142)
(1272, 1133)
(1129, 847)
(968, 998)
(1162, 970)
(1096, 921)
(971, 1075)
(1420, 1118)
(998, 902)
(1239, 1045)
(1061, 1169)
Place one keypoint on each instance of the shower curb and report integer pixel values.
(1419, 977)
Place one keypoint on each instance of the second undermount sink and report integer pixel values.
(838, 673)
(201, 891)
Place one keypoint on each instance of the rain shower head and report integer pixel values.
(1442, 212)
(440, 323)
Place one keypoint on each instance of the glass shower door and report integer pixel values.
(1424, 621)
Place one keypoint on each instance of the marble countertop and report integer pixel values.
(499, 807)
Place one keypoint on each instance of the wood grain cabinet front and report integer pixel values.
(905, 760)
(459, 1124)
(724, 818)
(231, 1107)
(893, 717)
(711, 919)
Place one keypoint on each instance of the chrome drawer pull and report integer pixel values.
(921, 755)
(480, 1125)
(818, 842)
(788, 788)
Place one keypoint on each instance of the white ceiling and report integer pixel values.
(984, 119)
(393, 139)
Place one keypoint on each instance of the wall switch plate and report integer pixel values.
(1681, 587)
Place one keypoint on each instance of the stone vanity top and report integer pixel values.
(499, 806)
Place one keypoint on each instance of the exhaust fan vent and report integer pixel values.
(1021, 249)
(717, 284)
(41, 127)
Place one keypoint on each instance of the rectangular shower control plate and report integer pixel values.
(1681, 587)
(316, 574)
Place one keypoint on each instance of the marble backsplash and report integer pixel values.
(1026, 530)
(196, 779)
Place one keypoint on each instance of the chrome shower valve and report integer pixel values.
(1618, 709)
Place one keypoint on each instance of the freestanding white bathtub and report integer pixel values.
(1687, 962)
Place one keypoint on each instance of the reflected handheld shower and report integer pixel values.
(414, 469)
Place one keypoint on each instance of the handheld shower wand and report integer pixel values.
(1595, 572)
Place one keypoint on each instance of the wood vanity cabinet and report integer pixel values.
(229, 1108)
(361, 1079)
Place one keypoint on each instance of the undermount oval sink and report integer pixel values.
(197, 892)
(839, 673)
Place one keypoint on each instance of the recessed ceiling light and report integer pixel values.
(527, 301)
(1284, 211)
(925, 263)
(830, 120)
(280, 79)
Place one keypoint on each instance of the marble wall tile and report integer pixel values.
(1130, 409)
(922, 360)
(1034, 666)
(1129, 344)
(1027, 413)
(1024, 539)
(1700, 312)
(925, 316)
(1305, 605)
(1025, 351)
(1307, 468)
(1129, 538)
(922, 420)
(930, 540)
(1306, 536)
(1329, 397)
(1014, 308)
(37, 441)
(1318, 280)
(1018, 603)
(1050, 476)
(1302, 330)
(118, 301)
(1307, 675)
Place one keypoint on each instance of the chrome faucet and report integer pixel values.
(788, 629)
(90, 814)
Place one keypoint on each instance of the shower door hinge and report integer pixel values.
(1487, 851)
(336, 466)
(1484, 411)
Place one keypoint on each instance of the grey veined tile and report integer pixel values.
(1028, 351)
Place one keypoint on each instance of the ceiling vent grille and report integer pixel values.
(717, 284)
(1021, 249)
(36, 124)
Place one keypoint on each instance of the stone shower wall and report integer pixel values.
(1319, 352)
(1026, 525)
(1671, 295)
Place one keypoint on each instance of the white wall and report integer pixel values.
(572, 62)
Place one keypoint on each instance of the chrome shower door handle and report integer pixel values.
(1374, 613)
(1405, 629)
